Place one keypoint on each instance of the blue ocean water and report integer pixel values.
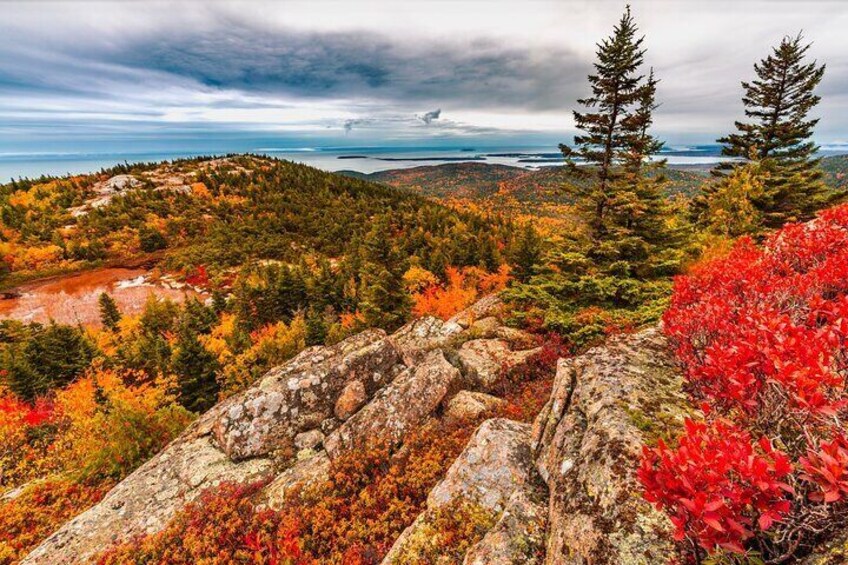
(362, 159)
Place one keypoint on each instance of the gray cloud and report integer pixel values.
(428, 117)
(365, 72)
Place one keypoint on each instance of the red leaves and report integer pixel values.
(827, 467)
(18, 412)
(716, 486)
(763, 337)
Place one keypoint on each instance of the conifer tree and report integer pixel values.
(110, 316)
(777, 135)
(623, 208)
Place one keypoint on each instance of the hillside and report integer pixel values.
(535, 192)
(504, 187)
(190, 213)
(425, 433)
(137, 298)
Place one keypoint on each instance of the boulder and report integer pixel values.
(487, 327)
(487, 306)
(308, 471)
(422, 335)
(308, 440)
(485, 360)
(302, 394)
(351, 399)
(397, 409)
(587, 440)
(467, 405)
(496, 462)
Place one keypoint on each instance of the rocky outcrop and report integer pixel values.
(423, 335)
(485, 361)
(302, 394)
(467, 405)
(398, 409)
(587, 440)
(560, 491)
(239, 440)
(494, 469)
(285, 429)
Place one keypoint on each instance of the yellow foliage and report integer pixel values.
(272, 345)
(108, 427)
(417, 279)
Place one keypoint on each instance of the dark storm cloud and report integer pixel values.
(350, 65)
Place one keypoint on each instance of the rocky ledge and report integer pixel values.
(561, 491)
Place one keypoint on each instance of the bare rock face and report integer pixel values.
(489, 306)
(518, 537)
(302, 394)
(308, 471)
(119, 183)
(466, 405)
(421, 336)
(398, 409)
(146, 501)
(485, 360)
(587, 440)
(496, 465)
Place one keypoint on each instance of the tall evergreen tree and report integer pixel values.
(623, 209)
(777, 135)
(110, 316)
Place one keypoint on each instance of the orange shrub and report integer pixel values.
(42, 507)
(463, 288)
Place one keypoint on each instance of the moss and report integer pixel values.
(446, 534)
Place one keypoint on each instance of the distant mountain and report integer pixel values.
(511, 190)
(536, 191)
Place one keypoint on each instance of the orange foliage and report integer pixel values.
(463, 288)
(353, 518)
(36, 512)
(75, 447)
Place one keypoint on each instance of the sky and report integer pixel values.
(144, 74)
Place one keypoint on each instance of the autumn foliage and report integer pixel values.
(352, 518)
(763, 337)
(64, 452)
(462, 289)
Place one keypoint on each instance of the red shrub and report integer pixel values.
(762, 335)
(717, 487)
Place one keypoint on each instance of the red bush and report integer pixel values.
(762, 335)
(717, 487)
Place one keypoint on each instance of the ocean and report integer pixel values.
(362, 159)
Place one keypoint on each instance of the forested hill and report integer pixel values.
(220, 213)
(514, 188)
(480, 180)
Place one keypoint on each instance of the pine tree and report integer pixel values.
(623, 208)
(777, 135)
(110, 316)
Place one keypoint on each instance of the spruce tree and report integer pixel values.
(622, 207)
(777, 136)
(110, 316)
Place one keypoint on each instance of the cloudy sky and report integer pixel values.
(100, 74)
